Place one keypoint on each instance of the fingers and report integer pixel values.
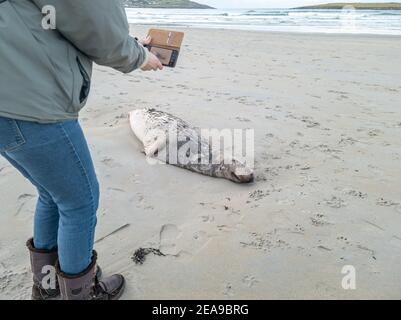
(146, 41)
(153, 64)
(158, 66)
(154, 67)
(156, 63)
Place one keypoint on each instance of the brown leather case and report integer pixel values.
(166, 39)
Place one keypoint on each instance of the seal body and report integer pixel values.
(173, 141)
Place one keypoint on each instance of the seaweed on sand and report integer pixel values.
(139, 256)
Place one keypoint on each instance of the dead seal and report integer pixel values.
(188, 149)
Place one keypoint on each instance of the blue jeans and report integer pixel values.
(55, 158)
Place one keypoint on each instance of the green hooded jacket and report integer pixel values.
(45, 74)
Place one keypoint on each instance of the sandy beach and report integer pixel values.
(327, 120)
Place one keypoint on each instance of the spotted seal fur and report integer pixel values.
(152, 128)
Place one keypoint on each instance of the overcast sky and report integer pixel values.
(271, 3)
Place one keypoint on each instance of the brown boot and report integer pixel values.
(86, 285)
(39, 260)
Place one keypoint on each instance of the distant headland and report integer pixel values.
(358, 6)
(165, 4)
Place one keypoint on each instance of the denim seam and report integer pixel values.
(20, 139)
(26, 174)
(82, 169)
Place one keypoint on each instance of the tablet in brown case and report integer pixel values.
(166, 45)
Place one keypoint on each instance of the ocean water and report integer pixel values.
(286, 20)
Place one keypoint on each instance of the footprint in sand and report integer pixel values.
(2, 168)
(169, 234)
(23, 199)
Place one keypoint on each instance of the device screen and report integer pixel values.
(164, 55)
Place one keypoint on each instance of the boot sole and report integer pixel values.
(119, 291)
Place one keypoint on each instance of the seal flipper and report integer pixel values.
(158, 144)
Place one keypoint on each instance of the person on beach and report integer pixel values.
(45, 78)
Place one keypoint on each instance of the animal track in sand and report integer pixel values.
(208, 218)
(110, 162)
(338, 92)
(261, 178)
(347, 141)
(355, 193)
(386, 202)
(228, 210)
(389, 203)
(375, 133)
(228, 290)
(328, 150)
(241, 119)
(259, 194)
(318, 220)
(225, 228)
(266, 241)
(346, 243)
(310, 123)
(335, 202)
(250, 281)
(141, 202)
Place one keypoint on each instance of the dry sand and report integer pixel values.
(327, 119)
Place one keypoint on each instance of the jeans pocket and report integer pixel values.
(11, 136)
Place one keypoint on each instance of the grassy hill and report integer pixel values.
(174, 4)
(358, 5)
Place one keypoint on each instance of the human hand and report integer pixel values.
(153, 63)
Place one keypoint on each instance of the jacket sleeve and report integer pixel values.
(98, 28)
